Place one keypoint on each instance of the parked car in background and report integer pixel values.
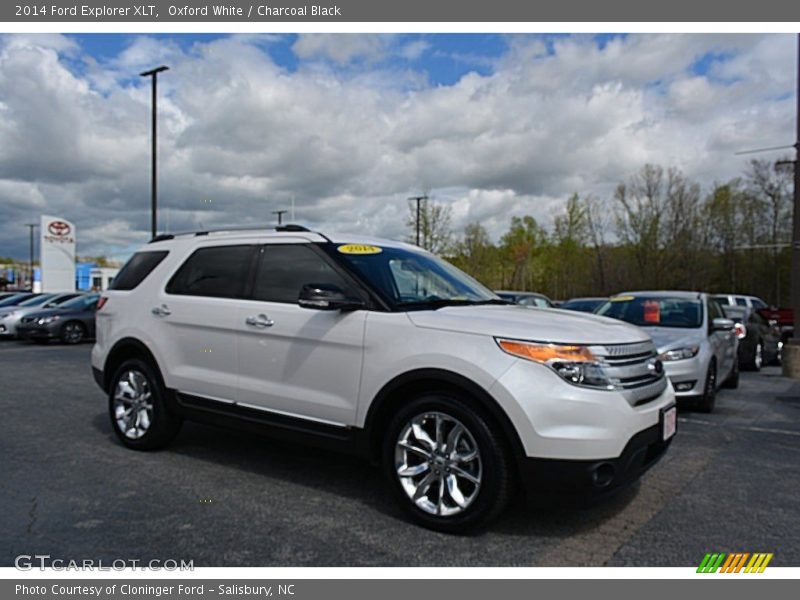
(784, 317)
(759, 339)
(11, 315)
(586, 305)
(740, 300)
(71, 322)
(695, 341)
(16, 298)
(526, 298)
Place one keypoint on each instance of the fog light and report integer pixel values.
(2, 328)
(684, 386)
(603, 474)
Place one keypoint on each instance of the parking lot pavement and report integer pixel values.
(729, 483)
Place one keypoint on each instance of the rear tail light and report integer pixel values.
(741, 330)
(101, 302)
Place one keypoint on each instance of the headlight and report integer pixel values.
(575, 364)
(6, 314)
(46, 320)
(679, 353)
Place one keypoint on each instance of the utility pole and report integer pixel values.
(280, 214)
(153, 74)
(792, 357)
(31, 227)
(418, 199)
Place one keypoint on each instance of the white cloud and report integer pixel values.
(240, 136)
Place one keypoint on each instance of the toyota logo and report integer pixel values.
(655, 366)
(59, 228)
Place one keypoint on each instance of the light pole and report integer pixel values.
(280, 214)
(31, 227)
(418, 199)
(153, 74)
(792, 360)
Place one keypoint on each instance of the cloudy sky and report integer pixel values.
(347, 126)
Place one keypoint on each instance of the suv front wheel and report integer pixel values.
(139, 416)
(446, 464)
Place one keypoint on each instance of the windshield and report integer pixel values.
(15, 299)
(408, 279)
(37, 300)
(80, 302)
(653, 311)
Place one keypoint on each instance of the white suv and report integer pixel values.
(379, 348)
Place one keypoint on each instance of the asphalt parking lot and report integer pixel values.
(729, 483)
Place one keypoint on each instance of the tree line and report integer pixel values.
(658, 230)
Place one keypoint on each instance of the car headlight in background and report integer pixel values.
(46, 320)
(6, 314)
(679, 353)
(575, 364)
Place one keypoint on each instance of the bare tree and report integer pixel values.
(434, 225)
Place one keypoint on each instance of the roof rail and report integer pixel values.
(161, 237)
(291, 227)
(288, 228)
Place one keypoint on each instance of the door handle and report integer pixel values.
(259, 321)
(161, 311)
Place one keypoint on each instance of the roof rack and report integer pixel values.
(289, 227)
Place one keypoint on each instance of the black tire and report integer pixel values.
(73, 332)
(708, 399)
(493, 463)
(162, 425)
(753, 364)
(732, 382)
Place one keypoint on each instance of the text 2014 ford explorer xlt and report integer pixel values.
(379, 348)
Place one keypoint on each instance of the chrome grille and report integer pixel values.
(631, 369)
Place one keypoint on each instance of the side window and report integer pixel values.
(285, 268)
(723, 300)
(217, 272)
(758, 303)
(135, 270)
(741, 301)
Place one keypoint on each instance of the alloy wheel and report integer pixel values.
(133, 408)
(438, 463)
(73, 333)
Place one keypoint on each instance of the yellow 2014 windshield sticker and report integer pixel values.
(359, 249)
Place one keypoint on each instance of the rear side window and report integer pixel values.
(741, 301)
(285, 269)
(217, 272)
(137, 268)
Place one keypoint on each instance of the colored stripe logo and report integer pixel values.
(737, 562)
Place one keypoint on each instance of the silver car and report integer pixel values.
(11, 315)
(696, 343)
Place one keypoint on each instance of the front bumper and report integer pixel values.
(687, 376)
(593, 479)
(36, 332)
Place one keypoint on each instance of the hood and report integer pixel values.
(670, 338)
(536, 324)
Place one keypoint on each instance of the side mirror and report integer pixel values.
(723, 325)
(326, 296)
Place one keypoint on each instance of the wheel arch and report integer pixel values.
(389, 399)
(123, 350)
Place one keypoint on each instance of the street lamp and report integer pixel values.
(153, 73)
(31, 227)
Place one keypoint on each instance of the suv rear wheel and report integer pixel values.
(138, 413)
(446, 464)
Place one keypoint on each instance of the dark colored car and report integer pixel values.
(759, 340)
(15, 298)
(71, 322)
(586, 305)
(526, 298)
